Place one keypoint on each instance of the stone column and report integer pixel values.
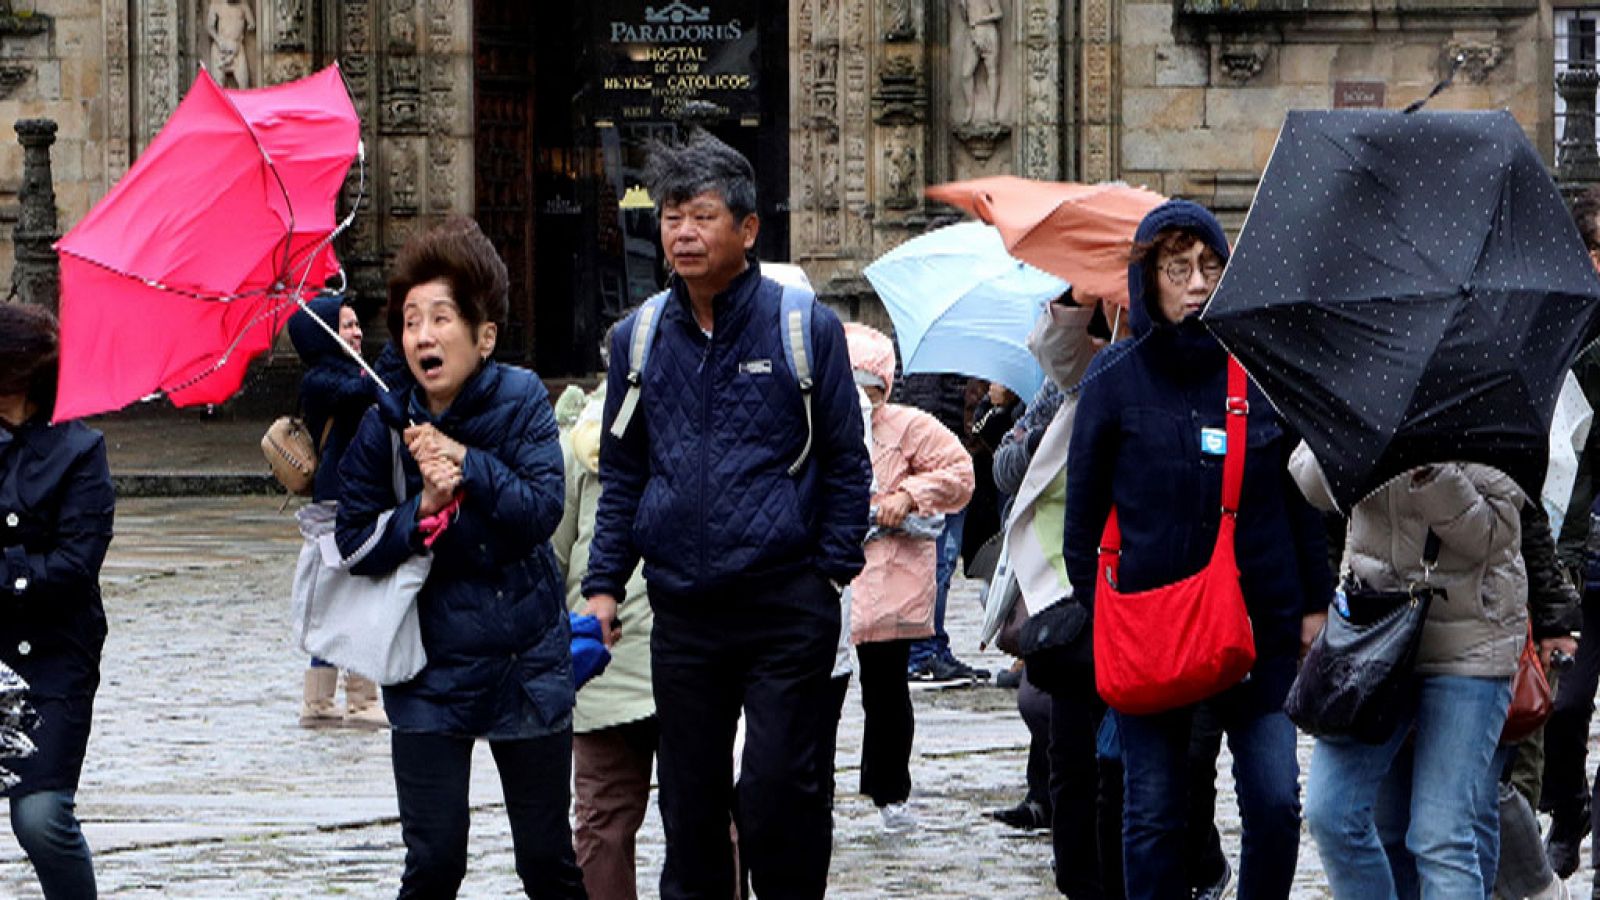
(36, 278)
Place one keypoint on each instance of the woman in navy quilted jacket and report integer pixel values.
(478, 446)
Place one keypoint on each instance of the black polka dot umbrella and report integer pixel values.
(1409, 289)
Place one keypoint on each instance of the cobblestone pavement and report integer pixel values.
(200, 784)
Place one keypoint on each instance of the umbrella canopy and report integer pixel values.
(1409, 289)
(187, 268)
(1079, 232)
(961, 304)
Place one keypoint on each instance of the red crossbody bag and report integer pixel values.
(1175, 645)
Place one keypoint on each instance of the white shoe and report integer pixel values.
(897, 818)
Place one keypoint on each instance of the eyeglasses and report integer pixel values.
(1179, 271)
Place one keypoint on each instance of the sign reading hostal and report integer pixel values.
(671, 59)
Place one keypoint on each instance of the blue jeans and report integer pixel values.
(46, 826)
(949, 551)
(1155, 756)
(1425, 798)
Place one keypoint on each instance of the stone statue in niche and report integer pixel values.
(900, 24)
(228, 22)
(901, 173)
(982, 52)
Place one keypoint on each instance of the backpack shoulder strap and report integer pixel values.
(645, 324)
(795, 323)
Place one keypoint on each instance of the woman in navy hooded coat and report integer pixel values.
(1137, 444)
(479, 451)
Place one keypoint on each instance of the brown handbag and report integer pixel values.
(290, 452)
(1531, 702)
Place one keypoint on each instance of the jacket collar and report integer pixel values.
(36, 435)
(399, 409)
(730, 308)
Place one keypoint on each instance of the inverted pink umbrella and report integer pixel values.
(193, 262)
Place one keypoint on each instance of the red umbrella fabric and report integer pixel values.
(193, 262)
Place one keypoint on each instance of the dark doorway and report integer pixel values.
(561, 148)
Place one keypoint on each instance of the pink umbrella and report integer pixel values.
(192, 263)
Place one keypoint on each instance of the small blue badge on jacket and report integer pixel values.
(756, 367)
(1213, 441)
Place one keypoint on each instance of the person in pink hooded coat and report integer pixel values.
(919, 468)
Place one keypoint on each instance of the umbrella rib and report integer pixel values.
(288, 237)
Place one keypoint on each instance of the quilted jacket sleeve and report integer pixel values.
(1477, 515)
(1552, 601)
(512, 496)
(624, 469)
(369, 518)
(840, 450)
(82, 533)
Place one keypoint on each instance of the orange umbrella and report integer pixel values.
(1079, 232)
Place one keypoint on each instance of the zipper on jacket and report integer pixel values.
(707, 373)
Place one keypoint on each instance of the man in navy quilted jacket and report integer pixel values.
(748, 510)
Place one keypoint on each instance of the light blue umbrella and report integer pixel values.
(961, 304)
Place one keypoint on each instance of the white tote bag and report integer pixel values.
(368, 626)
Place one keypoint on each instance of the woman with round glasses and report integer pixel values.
(1150, 439)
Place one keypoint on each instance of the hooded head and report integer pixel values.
(871, 356)
(1144, 298)
(314, 344)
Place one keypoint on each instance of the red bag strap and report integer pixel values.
(1238, 436)
(1238, 421)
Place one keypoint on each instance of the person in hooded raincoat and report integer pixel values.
(1137, 444)
(56, 510)
(483, 492)
(335, 393)
(920, 467)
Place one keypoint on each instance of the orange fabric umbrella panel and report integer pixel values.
(1078, 232)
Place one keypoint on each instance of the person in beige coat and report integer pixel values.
(613, 723)
(919, 468)
(1387, 817)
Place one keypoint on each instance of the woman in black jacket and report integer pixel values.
(1137, 444)
(56, 506)
(483, 492)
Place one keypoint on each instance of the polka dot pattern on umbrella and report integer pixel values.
(1409, 289)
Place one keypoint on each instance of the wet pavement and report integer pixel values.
(199, 783)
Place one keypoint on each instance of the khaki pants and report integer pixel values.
(611, 770)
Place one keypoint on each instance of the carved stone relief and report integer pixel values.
(289, 25)
(160, 83)
(402, 181)
(1476, 58)
(900, 25)
(1096, 139)
(119, 124)
(900, 171)
(1041, 106)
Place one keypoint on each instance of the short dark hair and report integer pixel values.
(29, 350)
(679, 172)
(460, 254)
(1584, 212)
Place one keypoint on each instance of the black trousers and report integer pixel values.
(1034, 706)
(766, 647)
(431, 776)
(890, 723)
(1566, 734)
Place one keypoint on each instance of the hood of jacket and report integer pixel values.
(1189, 341)
(312, 343)
(871, 351)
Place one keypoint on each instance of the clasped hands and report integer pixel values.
(440, 459)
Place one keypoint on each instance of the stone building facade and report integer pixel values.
(510, 111)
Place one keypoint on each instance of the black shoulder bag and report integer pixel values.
(1359, 677)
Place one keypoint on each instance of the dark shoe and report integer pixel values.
(1562, 844)
(949, 668)
(1215, 890)
(1026, 815)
